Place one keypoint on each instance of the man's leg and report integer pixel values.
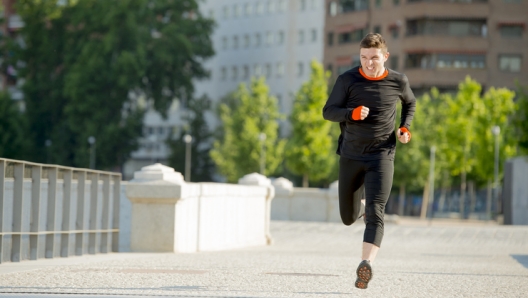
(351, 189)
(378, 183)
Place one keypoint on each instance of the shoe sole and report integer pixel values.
(364, 275)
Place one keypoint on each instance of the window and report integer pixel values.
(237, 11)
(257, 70)
(510, 62)
(280, 37)
(248, 9)
(270, 7)
(234, 72)
(300, 68)
(246, 41)
(394, 62)
(223, 73)
(445, 61)
(378, 3)
(396, 2)
(280, 69)
(313, 35)
(279, 102)
(301, 36)
(353, 5)
(395, 32)
(447, 27)
(353, 36)
(283, 5)
(260, 8)
(267, 70)
(235, 42)
(377, 29)
(225, 43)
(245, 72)
(511, 31)
(225, 12)
(330, 38)
(330, 67)
(257, 40)
(303, 5)
(269, 38)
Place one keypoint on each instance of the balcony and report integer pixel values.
(469, 9)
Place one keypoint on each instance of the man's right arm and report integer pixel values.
(335, 107)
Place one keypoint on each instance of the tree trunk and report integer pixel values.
(401, 200)
(472, 197)
(462, 193)
(305, 180)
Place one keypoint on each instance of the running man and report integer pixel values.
(363, 101)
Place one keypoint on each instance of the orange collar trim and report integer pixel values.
(384, 75)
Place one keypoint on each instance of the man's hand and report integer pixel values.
(404, 135)
(360, 113)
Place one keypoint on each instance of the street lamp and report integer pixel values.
(187, 139)
(48, 147)
(91, 141)
(496, 132)
(262, 138)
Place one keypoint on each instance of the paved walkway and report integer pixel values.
(417, 259)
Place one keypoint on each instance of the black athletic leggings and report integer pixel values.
(371, 180)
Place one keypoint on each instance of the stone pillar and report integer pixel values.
(515, 195)
(162, 220)
(261, 180)
(281, 207)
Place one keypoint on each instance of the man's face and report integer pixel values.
(372, 61)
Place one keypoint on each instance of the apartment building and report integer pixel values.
(434, 42)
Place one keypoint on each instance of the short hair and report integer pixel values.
(373, 40)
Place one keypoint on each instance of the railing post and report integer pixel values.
(92, 238)
(105, 220)
(18, 216)
(50, 219)
(36, 176)
(66, 214)
(2, 215)
(115, 217)
(80, 218)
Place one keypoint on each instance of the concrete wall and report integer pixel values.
(516, 191)
(304, 204)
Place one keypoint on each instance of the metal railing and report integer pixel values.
(51, 211)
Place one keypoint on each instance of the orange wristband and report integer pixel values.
(405, 130)
(356, 113)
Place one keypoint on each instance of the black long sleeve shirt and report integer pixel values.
(374, 137)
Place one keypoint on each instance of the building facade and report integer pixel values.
(436, 43)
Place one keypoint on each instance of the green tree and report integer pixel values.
(13, 137)
(202, 166)
(247, 114)
(309, 151)
(86, 63)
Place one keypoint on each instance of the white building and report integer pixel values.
(276, 39)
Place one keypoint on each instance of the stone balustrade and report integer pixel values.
(171, 215)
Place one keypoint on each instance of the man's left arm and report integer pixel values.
(408, 108)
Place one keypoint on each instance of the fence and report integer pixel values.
(50, 211)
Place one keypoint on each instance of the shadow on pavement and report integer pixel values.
(522, 259)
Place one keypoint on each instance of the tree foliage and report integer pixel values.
(309, 151)
(85, 63)
(13, 138)
(247, 113)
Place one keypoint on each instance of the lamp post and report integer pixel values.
(48, 147)
(91, 141)
(262, 138)
(496, 132)
(187, 139)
